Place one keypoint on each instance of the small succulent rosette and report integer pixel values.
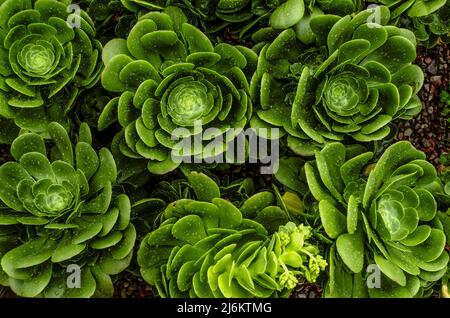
(389, 239)
(63, 231)
(428, 19)
(431, 29)
(334, 78)
(48, 51)
(207, 248)
(176, 88)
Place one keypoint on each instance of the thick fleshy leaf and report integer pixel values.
(205, 188)
(229, 215)
(431, 248)
(393, 157)
(197, 41)
(256, 203)
(32, 253)
(62, 142)
(113, 48)
(391, 270)
(189, 229)
(333, 221)
(27, 143)
(287, 14)
(33, 286)
(12, 174)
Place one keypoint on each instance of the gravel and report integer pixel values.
(306, 290)
(131, 286)
(430, 131)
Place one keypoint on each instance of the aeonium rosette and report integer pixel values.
(60, 218)
(171, 79)
(208, 247)
(382, 218)
(48, 51)
(336, 79)
(242, 16)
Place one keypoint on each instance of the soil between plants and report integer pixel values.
(430, 130)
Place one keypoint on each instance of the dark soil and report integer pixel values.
(4, 154)
(306, 290)
(430, 130)
(5, 292)
(131, 286)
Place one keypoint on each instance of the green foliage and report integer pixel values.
(413, 8)
(380, 213)
(210, 248)
(432, 28)
(335, 79)
(210, 15)
(45, 60)
(429, 20)
(59, 211)
(445, 96)
(170, 76)
(110, 17)
(444, 159)
(441, 187)
(445, 99)
(90, 104)
(243, 15)
(162, 82)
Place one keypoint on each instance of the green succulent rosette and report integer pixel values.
(49, 51)
(208, 248)
(431, 29)
(174, 83)
(335, 79)
(59, 217)
(243, 15)
(212, 15)
(412, 8)
(379, 214)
